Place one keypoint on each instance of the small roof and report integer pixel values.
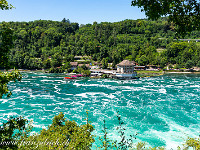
(74, 63)
(126, 63)
(82, 56)
(96, 63)
(140, 66)
(87, 65)
(77, 57)
(80, 65)
(151, 65)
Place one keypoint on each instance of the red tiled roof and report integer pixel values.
(96, 63)
(87, 65)
(80, 65)
(139, 67)
(74, 63)
(126, 63)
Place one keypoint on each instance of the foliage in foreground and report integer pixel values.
(12, 131)
(5, 78)
(6, 43)
(61, 134)
(65, 134)
(183, 13)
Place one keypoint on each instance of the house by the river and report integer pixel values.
(125, 70)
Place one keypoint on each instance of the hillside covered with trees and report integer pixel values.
(50, 44)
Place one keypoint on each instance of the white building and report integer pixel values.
(99, 72)
(125, 66)
(125, 69)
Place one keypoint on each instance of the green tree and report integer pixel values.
(198, 64)
(47, 63)
(183, 13)
(129, 57)
(193, 143)
(104, 63)
(56, 60)
(177, 66)
(86, 73)
(174, 50)
(189, 64)
(162, 61)
(143, 60)
(6, 40)
(151, 52)
(4, 5)
(84, 67)
(6, 43)
(61, 134)
(67, 67)
(12, 131)
(5, 78)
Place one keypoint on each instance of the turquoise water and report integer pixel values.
(162, 110)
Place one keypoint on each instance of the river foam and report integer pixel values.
(162, 110)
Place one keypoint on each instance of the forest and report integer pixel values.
(50, 44)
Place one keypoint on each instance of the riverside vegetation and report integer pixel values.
(49, 44)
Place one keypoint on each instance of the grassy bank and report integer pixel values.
(147, 73)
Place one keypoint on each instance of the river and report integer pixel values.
(163, 110)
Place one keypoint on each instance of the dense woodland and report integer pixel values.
(50, 44)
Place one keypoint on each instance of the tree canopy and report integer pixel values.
(184, 14)
(6, 43)
(4, 5)
(53, 44)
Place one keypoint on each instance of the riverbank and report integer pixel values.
(140, 73)
(147, 73)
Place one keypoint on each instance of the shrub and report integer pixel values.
(104, 76)
(12, 131)
(61, 134)
(189, 64)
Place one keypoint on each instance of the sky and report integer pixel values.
(80, 11)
